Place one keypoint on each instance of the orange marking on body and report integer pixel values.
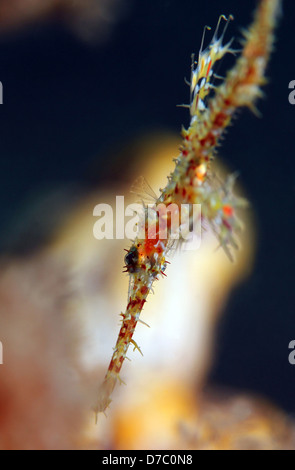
(209, 68)
(201, 171)
(228, 210)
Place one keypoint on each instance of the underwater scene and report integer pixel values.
(147, 258)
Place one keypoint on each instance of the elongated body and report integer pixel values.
(193, 181)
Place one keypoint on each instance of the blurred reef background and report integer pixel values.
(90, 95)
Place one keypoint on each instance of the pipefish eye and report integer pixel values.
(131, 259)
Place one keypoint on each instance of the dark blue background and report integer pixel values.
(67, 102)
